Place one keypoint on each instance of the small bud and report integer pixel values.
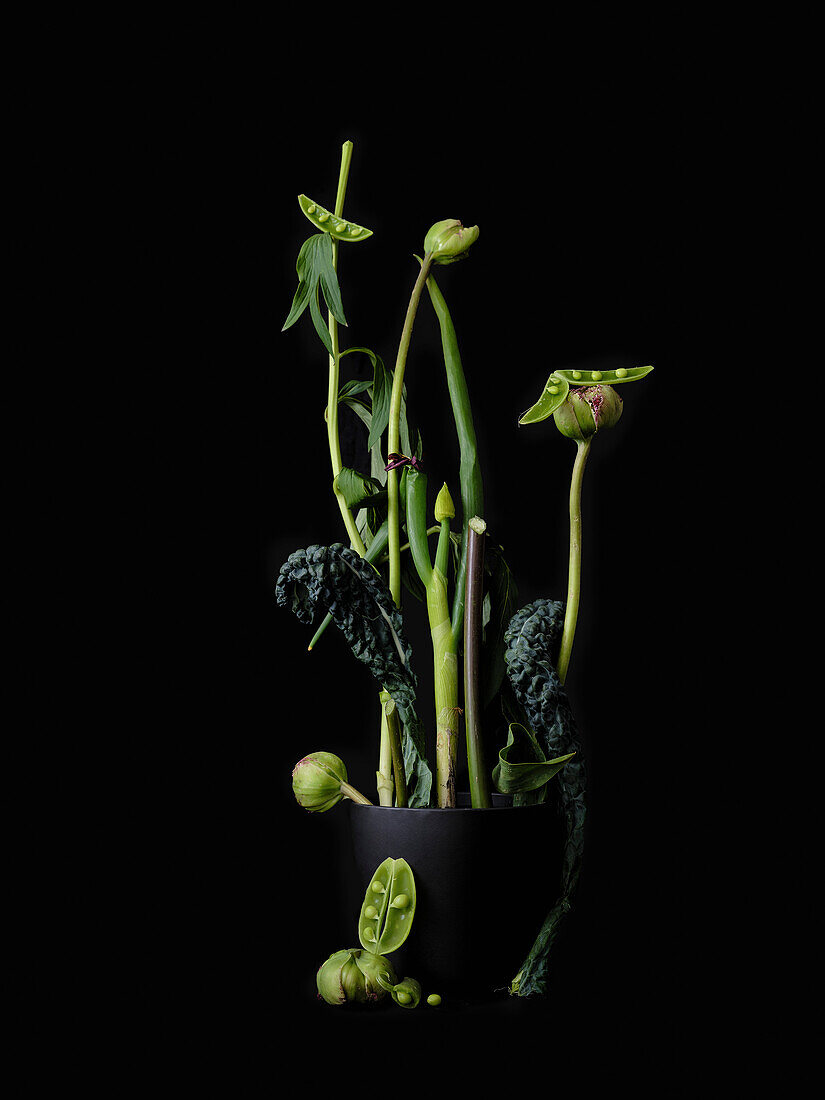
(588, 410)
(317, 779)
(449, 240)
(444, 507)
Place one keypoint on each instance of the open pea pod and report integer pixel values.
(552, 396)
(407, 993)
(602, 377)
(339, 228)
(388, 909)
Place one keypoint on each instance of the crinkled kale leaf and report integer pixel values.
(336, 580)
(532, 641)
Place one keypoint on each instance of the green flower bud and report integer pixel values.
(444, 507)
(353, 975)
(449, 240)
(587, 410)
(317, 779)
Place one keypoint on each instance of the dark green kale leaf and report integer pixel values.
(532, 640)
(336, 580)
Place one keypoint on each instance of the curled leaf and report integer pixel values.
(522, 766)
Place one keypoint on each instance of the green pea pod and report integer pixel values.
(603, 377)
(325, 220)
(388, 909)
(552, 396)
(407, 993)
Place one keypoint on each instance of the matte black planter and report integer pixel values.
(485, 880)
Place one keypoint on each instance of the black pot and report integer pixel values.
(485, 880)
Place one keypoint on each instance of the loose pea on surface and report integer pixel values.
(434, 999)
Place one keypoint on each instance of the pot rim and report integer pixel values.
(505, 803)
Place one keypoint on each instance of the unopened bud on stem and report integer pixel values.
(448, 241)
(319, 782)
(444, 507)
(588, 410)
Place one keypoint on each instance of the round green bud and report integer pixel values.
(448, 240)
(588, 410)
(317, 779)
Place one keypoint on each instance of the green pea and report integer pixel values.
(389, 907)
(552, 396)
(434, 999)
(340, 230)
(621, 374)
(404, 997)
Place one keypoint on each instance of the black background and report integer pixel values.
(601, 158)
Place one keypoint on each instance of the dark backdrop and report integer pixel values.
(593, 161)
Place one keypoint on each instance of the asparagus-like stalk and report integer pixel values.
(445, 649)
(479, 780)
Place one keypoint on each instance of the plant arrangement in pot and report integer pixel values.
(486, 652)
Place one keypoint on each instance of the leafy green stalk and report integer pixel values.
(575, 559)
(470, 477)
(332, 391)
(479, 781)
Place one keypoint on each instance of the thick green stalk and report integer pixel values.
(478, 776)
(445, 668)
(470, 479)
(394, 431)
(574, 564)
(445, 648)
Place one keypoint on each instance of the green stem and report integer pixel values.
(574, 565)
(356, 541)
(479, 779)
(470, 479)
(350, 792)
(394, 431)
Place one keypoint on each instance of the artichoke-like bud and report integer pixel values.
(352, 975)
(379, 976)
(449, 240)
(588, 410)
(319, 781)
(444, 507)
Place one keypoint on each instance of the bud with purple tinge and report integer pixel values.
(588, 410)
(448, 241)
